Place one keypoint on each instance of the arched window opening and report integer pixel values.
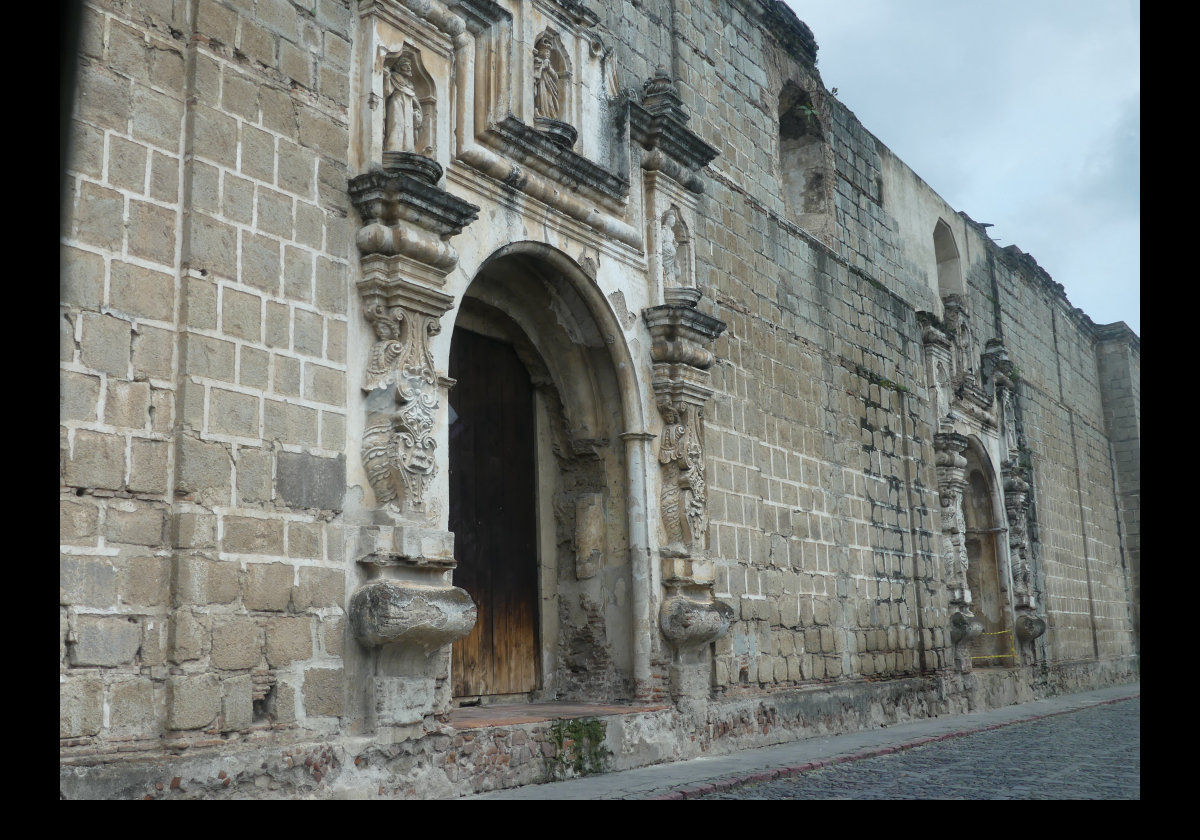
(804, 160)
(949, 269)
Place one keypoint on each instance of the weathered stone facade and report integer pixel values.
(809, 451)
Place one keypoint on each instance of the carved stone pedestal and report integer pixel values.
(690, 617)
(408, 614)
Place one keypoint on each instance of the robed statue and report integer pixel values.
(404, 116)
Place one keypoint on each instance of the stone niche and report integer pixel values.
(404, 68)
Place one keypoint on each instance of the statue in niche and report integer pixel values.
(684, 491)
(404, 116)
(676, 264)
(669, 250)
(545, 81)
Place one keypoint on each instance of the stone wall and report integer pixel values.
(216, 513)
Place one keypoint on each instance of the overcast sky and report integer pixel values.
(1021, 113)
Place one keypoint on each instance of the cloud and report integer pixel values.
(1024, 114)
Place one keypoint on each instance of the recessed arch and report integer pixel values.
(949, 265)
(533, 304)
(805, 160)
(987, 569)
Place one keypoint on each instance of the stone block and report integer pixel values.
(333, 431)
(287, 376)
(164, 178)
(332, 289)
(260, 263)
(208, 357)
(102, 99)
(237, 703)
(105, 640)
(148, 466)
(131, 706)
(254, 476)
(215, 136)
(141, 526)
(192, 702)
(86, 581)
(304, 539)
(289, 423)
(334, 635)
(281, 705)
(297, 170)
(81, 277)
(241, 315)
(320, 588)
(87, 150)
(253, 367)
(308, 481)
(201, 581)
(308, 332)
(141, 292)
(80, 705)
(297, 273)
(297, 64)
(233, 413)
(249, 535)
(335, 340)
(324, 690)
(206, 187)
(204, 470)
(156, 118)
(324, 385)
(238, 201)
(236, 644)
(188, 635)
(105, 344)
(239, 95)
(127, 404)
(97, 461)
(288, 640)
(195, 530)
(127, 164)
(77, 521)
(213, 247)
(78, 396)
(268, 586)
(145, 581)
(274, 213)
(258, 154)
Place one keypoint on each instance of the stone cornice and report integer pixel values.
(658, 123)
(389, 197)
(536, 150)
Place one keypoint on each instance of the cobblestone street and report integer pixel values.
(1093, 753)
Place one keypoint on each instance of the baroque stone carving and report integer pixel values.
(393, 612)
(545, 81)
(688, 623)
(681, 389)
(398, 445)
(659, 125)
(952, 480)
(676, 251)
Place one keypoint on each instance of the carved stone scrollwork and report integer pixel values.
(402, 392)
(1030, 627)
(688, 623)
(681, 362)
(952, 480)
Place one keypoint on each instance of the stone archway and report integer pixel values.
(539, 489)
(987, 576)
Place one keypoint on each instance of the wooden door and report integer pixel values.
(492, 515)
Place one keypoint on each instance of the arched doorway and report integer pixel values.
(986, 571)
(538, 490)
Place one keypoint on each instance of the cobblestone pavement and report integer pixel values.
(1093, 753)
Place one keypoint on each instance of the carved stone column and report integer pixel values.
(690, 616)
(407, 611)
(952, 480)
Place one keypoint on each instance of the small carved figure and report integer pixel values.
(669, 248)
(545, 82)
(404, 115)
